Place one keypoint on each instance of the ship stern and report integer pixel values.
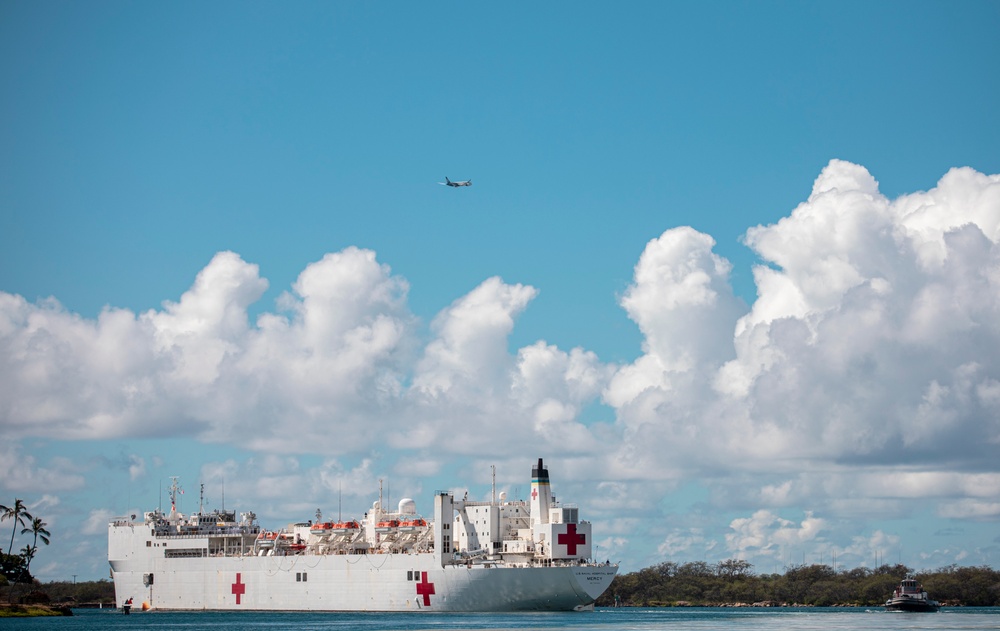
(594, 580)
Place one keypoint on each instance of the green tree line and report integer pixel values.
(102, 591)
(734, 582)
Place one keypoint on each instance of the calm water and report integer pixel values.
(627, 618)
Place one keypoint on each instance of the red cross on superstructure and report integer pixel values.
(534, 493)
(571, 539)
(425, 589)
(239, 588)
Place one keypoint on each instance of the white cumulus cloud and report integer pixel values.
(872, 339)
(863, 379)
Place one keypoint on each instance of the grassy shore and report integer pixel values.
(33, 611)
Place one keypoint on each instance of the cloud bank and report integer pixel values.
(873, 344)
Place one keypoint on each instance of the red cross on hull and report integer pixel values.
(425, 589)
(239, 588)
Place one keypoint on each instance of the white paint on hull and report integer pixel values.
(357, 583)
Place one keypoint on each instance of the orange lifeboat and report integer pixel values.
(321, 529)
(266, 539)
(412, 524)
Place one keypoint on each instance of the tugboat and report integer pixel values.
(910, 596)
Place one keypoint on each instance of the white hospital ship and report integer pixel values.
(473, 556)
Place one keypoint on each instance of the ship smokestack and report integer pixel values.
(541, 494)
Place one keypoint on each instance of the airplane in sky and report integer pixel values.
(448, 182)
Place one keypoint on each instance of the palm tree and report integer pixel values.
(18, 512)
(27, 553)
(37, 529)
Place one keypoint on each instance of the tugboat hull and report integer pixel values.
(911, 604)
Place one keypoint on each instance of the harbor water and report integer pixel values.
(636, 619)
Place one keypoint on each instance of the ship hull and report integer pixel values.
(364, 582)
(912, 605)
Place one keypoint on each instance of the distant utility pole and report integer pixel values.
(74, 579)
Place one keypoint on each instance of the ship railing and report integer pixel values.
(496, 503)
(236, 531)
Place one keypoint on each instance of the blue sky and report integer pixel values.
(725, 266)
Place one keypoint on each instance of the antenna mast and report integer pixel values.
(174, 489)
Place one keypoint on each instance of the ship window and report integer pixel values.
(409, 575)
(298, 577)
(305, 577)
(149, 544)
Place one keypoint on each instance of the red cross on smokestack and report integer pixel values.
(541, 494)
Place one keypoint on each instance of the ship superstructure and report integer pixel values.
(497, 555)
